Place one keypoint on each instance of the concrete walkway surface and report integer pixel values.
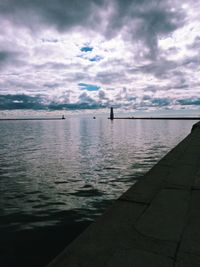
(156, 223)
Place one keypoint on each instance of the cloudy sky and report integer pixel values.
(88, 54)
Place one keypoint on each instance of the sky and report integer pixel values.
(94, 54)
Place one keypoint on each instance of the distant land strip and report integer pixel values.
(156, 118)
(32, 119)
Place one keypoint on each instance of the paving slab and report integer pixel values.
(196, 184)
(191, 157)
(188, 260)
(138, 258)
(176, 153)
(191, 237)
(148, 186)
(165, 218)
(181, 176)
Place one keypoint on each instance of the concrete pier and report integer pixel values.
(156, 223)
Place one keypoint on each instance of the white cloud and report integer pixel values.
(150, 48)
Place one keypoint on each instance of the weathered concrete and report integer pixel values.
(155, 223)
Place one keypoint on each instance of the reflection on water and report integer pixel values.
(48, 168)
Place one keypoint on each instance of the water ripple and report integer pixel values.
(52, 170)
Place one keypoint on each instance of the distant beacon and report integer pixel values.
(111, 113)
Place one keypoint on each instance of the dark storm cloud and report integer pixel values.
(160, 101)
(105, 77)
(102, 95)
(12, 60)
(154, 102)
(20, 102)
(189, 101)
(4, 56)
(144, 19)
(52, 66)
(190, 62)
(178, 85)
(85, 98)
(84, 102)
(61, 13)
(151, 88)
(9, 102)
(52, 85)
(63, 66)
(9, 57)
(158, 68)
(75, 106)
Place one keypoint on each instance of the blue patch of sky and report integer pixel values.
(96, 58)
(86, 49)
(88, 87)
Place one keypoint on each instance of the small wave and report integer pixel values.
(87, 186)
(43, 197)
(110, 168)
(88, 193)
(48, 204)
(61, 182)
(33, 192)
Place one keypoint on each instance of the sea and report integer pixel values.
(58, 176)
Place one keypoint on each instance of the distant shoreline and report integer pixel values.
(156, 118)
(32, 119)
(116, 118)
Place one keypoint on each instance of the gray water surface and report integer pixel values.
(79, 164)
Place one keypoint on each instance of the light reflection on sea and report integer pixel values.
(48, 168)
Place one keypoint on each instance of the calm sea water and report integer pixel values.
(51, 171)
